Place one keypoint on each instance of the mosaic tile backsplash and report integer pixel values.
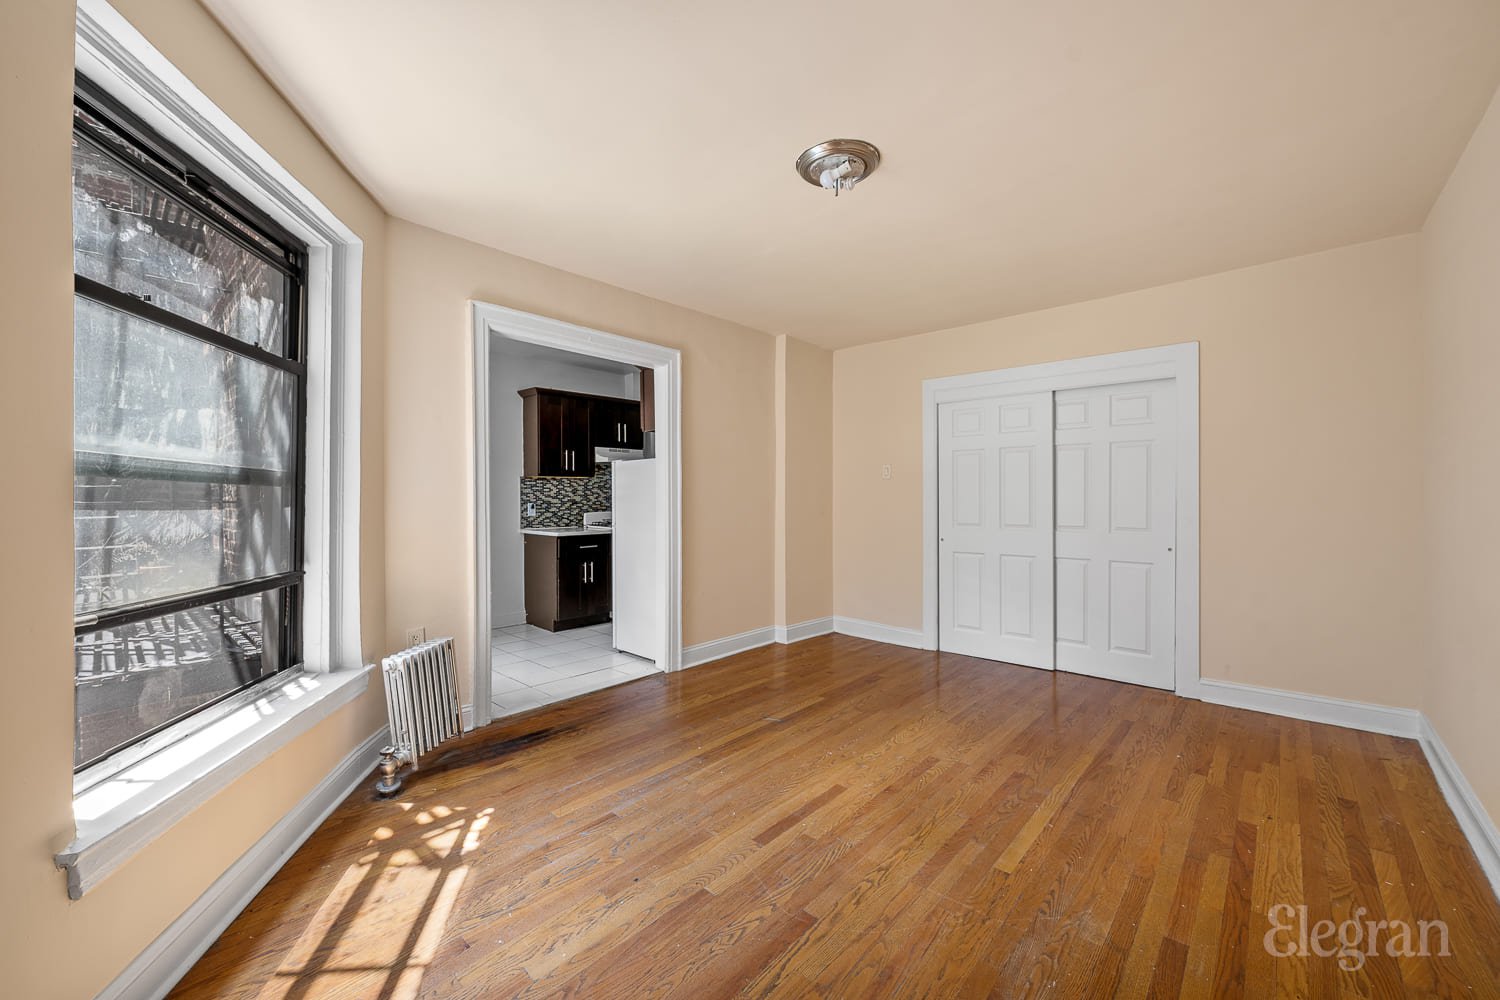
(561, 503)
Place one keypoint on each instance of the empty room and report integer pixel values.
(703, 500)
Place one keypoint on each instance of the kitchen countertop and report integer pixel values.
(560, 532)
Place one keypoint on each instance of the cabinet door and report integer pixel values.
(572, 580)
(630, 425)
(577, 437)
(617, 423)
(596, 576)
(552, 447)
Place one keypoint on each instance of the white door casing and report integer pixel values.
(491, 320)
(995, 528)
(1115, 461)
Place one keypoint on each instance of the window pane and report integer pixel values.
(140, 239)
(145, 531)
(135, 679)
(184, 455)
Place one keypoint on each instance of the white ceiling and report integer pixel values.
(1036, 153)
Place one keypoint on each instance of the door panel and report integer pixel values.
(1115, 534)
(995, 560)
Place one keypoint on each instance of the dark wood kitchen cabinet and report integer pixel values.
(562, 429)
(616, 423)
(567, 581)
(556, 438)
(648, 400)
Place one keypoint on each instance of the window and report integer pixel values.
(189, 435)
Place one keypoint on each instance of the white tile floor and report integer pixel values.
(531, 667)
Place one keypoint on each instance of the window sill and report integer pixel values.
(118, 815)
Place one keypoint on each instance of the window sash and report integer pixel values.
(137, 149)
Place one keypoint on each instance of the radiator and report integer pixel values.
(421, 695)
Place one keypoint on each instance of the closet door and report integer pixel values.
(1116, 476)
(995, 558)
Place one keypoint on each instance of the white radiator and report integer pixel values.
(421, 694)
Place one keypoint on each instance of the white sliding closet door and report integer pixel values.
(995, 537)
(1115, 453)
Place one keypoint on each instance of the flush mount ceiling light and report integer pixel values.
(838, 164)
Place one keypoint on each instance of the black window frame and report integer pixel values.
(156, 161)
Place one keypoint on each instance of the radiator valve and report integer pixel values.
(390, 781)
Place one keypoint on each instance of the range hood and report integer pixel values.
(618, 454)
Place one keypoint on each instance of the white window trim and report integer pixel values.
(110, 825)
(1175, 361)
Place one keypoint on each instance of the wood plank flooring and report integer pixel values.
(841, 818)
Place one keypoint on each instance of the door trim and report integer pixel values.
(491, 320)
(1176, 361)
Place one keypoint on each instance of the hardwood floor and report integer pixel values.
(846, 819)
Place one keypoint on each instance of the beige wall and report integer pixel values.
(1461, 285)
(727, 433)
(1314, 421)
(804, 494)
(1312, 437)
(53, 947)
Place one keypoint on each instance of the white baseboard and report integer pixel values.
(877, 632)
(501, 619)
(167, 959)
(717, 649)
(809, 629)
(1313, 708)
(1472, 817)
(467, 720)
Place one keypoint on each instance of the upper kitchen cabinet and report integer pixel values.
(648, 400)
(557, 438)
(562, 429)
(617, 423)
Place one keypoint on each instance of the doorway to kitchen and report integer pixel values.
(576, 452)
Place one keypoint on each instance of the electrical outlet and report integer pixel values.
(415, 636)
(885, 472)
(530, 509)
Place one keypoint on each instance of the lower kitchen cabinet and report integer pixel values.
(567, 580)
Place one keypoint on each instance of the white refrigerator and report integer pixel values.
(637, 605)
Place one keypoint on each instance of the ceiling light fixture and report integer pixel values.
(838, 164)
